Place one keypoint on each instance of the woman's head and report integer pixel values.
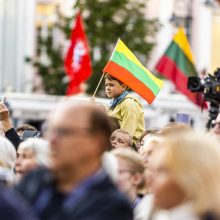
(32, 153)
(144, 135)
(130, 170)
(7, 161)
(186, 170)
(7, 153)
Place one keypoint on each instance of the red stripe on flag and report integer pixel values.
(130, 80)
(168, 68)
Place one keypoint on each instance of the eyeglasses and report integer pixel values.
(216, 124)
(120, 171)
(65, 132)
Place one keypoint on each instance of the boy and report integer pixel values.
(125, 107)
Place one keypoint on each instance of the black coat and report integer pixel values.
(101, 202)
(12, 207)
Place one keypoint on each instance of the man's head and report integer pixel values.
(113, 87)
(216, 128)
(78, 134)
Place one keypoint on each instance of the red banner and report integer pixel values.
(77, 62)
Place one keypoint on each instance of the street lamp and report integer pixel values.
(182, 15)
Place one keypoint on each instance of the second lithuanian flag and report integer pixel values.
(124, 66)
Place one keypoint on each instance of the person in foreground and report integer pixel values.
(186, 182)
(76, 186)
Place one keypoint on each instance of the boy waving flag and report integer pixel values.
(124, 66)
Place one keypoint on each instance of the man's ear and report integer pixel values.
(138, 178)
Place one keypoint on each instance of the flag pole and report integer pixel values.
(98, 85)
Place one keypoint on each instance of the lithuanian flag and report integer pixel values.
(177, 64)
(124, 66)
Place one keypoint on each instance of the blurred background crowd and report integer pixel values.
(86, 157)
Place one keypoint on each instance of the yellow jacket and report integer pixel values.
(130, 115)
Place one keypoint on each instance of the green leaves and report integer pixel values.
(105, 21)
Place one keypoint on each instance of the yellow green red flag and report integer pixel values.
(124, 66)
(177, 64)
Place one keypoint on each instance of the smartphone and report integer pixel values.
(183, 118)
(30, 134)
(3, 99)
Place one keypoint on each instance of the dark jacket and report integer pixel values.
(11, 207)
(102, 201)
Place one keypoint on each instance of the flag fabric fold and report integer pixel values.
(177, 64)
(77, 62)
(124, 66)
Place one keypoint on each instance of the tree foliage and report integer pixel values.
(105, 21)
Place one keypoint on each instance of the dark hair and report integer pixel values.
(101, 123)
(109, 77)
(26, 127)
(114, 123)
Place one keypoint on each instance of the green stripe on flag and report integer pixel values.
(135, 70)
(176, 54)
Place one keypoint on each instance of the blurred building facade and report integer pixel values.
(202, 24)
(17, 37)
(21, 21)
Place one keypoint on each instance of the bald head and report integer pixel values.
(84, 115)
(81, 128)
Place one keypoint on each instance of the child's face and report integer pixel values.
(113, 88)
(119, 140)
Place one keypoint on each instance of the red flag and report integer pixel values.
(77, 62)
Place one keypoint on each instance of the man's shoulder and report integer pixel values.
(112, 204)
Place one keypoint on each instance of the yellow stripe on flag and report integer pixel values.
(182, 41)
(122, 48)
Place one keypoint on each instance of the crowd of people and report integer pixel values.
(92, 164)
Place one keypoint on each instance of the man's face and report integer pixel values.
(125, 180)
(216, 128)
(72, 143)
(113, 88)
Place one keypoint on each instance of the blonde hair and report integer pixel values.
(123, 131)
(7, 153)
(194, 160)
(135, 161)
